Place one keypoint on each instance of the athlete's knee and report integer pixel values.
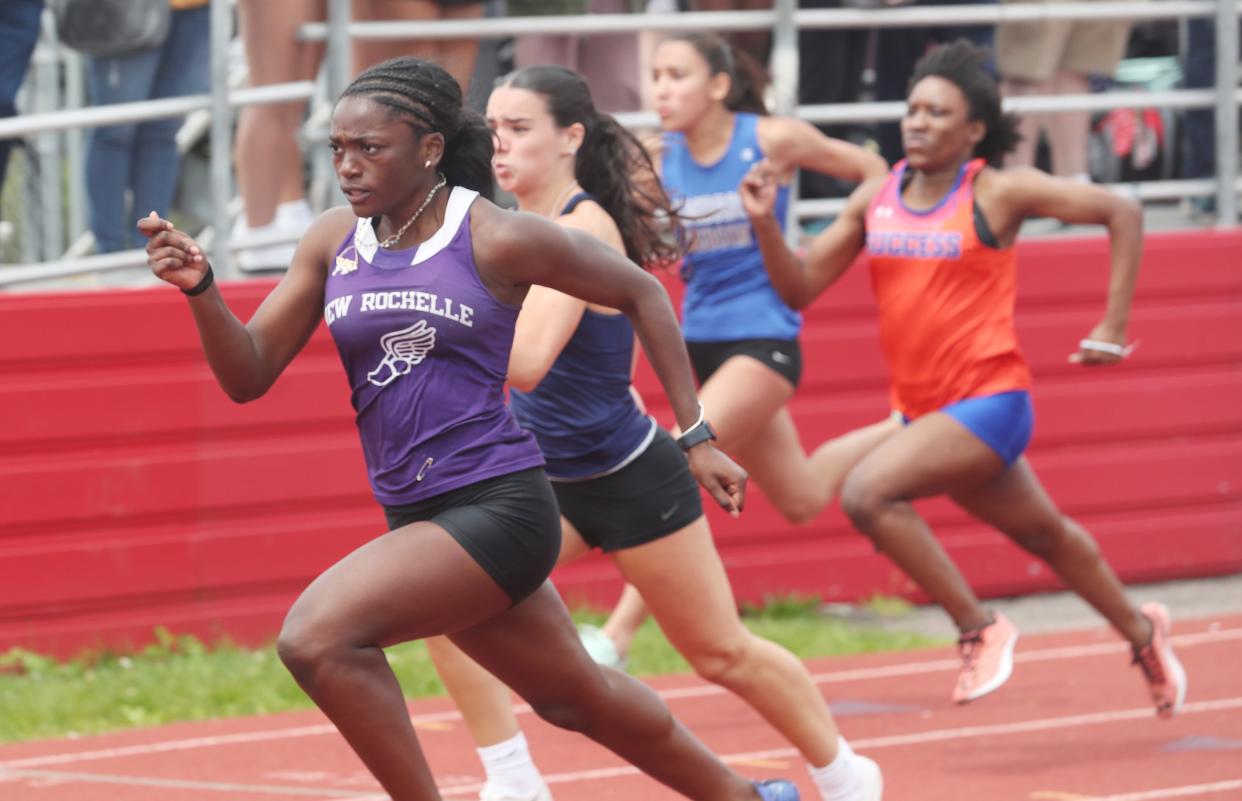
(305, 644)
(720, 662)
(802, 508)
(301, 649)
(575, 710)
(864, 502)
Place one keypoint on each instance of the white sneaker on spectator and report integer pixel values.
(293, 218)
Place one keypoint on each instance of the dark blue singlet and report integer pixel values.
(582, 413)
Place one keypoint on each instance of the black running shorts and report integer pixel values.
(510, 525)
(783, 356)
(651, 497)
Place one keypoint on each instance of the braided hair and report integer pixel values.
(963, 64)
(428, 99)
(610, 163)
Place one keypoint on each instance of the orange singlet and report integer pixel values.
(945, 299)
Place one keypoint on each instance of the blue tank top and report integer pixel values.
(582, 413)
(728, 295)
(425, 346)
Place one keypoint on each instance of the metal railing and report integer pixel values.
(785, 20)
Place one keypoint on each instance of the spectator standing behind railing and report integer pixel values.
(141, 160)
(1056, 57)
(270, 176)
(609, 62)
(268, 156)
(19, 29)
(455, 55)
(1199, 72)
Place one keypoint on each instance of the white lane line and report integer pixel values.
(1185, 791)
(59, 777)
(932, 736)
(860, 674)
(873, 743)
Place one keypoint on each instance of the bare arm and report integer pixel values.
(247, 359)
(799, 282)
(582, 266)
(1020, 193)
(790, 143)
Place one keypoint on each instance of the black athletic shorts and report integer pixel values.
(784, 356)
(510, 525)
(651, 497)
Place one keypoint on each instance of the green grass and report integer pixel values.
(179, 678)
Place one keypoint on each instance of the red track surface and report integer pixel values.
(1072, 725)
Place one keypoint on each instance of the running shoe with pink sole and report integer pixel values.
(1166, 678)
(987, 659)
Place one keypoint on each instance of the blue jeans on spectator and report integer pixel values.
(142, 159)
(1199, 72)
(19, 29)
(898, 49)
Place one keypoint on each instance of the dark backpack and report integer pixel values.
(105, 28)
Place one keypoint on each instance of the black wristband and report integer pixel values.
(206, 281)
(700, 432)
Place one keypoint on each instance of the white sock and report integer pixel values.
(509, 767)
(839, 779)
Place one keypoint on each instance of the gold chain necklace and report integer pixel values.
(395, 238)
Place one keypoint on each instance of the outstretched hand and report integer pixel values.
(1105, 345)
(723, 478)
(758, 190)
(172, 255)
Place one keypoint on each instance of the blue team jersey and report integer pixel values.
(728, 295)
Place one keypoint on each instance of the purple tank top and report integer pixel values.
(426, 348)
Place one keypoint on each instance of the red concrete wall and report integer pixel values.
(134, 494)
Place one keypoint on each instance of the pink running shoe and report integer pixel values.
(987, 659)
(1165, 676)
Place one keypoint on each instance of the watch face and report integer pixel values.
(699, 433)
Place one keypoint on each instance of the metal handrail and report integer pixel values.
(222, 100)
(141, 111)
(805, 19)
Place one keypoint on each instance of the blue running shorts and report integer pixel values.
(1003, 421)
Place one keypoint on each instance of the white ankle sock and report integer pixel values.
(839, 779)
(509, 767)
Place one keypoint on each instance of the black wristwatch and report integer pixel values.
(701, 431)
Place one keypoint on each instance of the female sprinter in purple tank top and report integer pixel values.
(939, 232)
(420, 282)
(621, 482)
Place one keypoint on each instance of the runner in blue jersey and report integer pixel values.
(742, 338)
(420, 282)
(621, 481)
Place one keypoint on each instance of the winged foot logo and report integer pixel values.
(402, 350)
